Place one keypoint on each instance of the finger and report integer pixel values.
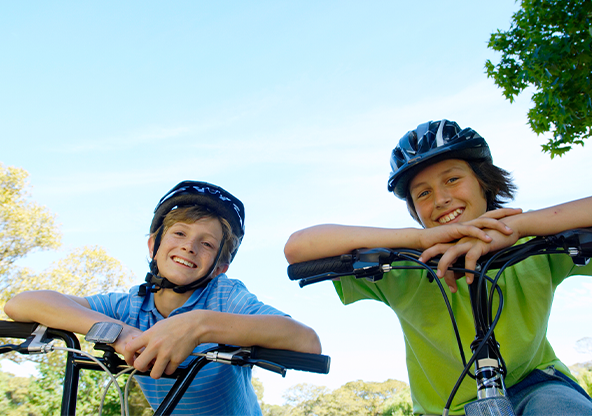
(129, 357)
(502, 212)
(450, 281)
(490, 223)
(158, 368)
(171, 367)
(471, 264)
(450, 256)
(433, 251)
(144, 360)
(477, 232)
(136, 344)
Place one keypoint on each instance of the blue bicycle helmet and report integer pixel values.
(186, 194)
(429, 143)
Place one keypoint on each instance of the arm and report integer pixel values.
(542, 222)
(333, 240)
(70, 313)
(170, 341)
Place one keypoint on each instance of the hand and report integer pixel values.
(164, 346)
(471, 248)
(475, 228)
(127, 334)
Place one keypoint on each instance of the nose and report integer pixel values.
(442, 197)
(190, 246)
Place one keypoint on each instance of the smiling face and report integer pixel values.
(188, 250)
(447, 192)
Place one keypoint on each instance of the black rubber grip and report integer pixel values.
(339, 264)
(10, 329)
(314, 363)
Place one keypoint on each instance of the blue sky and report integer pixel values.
(293, 107)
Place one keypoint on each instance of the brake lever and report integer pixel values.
(241, 357)
(578, 244)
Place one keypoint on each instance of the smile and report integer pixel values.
(449, 217)
(184, 262)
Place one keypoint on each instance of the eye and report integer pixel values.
(209, 245)
(453, 179)
(422, 194)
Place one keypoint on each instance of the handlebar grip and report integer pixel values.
(314, 363)
(338, 264)
(10, 329)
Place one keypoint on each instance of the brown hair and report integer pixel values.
(192, 214)
(496, 184)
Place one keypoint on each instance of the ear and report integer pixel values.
(151, 245)
(221, 269)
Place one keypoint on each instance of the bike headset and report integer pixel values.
(430, 143)
(187, 194)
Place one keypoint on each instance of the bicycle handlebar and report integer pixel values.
(38, 340)
(372, 263)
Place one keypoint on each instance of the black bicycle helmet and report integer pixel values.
(432, 142)
(192, 193)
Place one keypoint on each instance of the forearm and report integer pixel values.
(552, 220)
(333, 240)
(269, 331)
(54, 310)
(330, 240)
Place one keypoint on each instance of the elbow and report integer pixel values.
(11, 308)
(8, 308)
(316, 347)
(292, 248)
(312, 345)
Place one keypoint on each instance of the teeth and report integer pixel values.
(184, 262)
(447, 218)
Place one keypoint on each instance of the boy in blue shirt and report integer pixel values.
(186, 305)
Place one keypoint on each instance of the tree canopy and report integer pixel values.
(388, 398)
(548, 48)
(24, 225)
(24, 228)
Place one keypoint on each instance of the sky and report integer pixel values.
(294, 107)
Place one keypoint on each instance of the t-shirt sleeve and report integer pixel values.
(562, 266)
(114, 305)
(240, 300)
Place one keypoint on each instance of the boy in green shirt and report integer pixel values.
(447, 177)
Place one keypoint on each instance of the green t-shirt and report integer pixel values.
(433, 359)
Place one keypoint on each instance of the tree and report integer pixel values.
(24, 225)
(24, 228)
(548, 47)
(355, 398)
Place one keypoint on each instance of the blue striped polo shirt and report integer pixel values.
(218, 389)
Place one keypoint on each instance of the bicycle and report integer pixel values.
(490, 368)
(40, 339)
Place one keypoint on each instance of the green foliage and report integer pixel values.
(583, 373)
(355, 398)
(400, 404)
(548, 47)
(43, 395)
(13, 395)
(24, 226)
